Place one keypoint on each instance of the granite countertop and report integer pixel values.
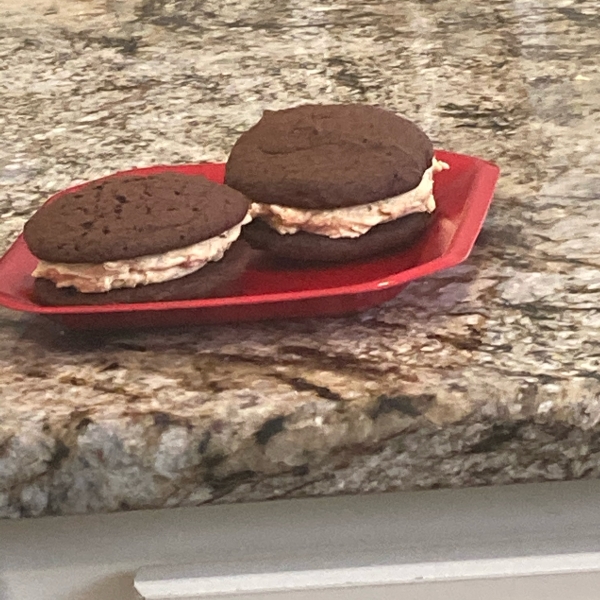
(484, 374)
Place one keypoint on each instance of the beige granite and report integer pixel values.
(485, 374)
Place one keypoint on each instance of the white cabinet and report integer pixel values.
(524, 542)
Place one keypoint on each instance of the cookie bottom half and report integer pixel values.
(207, 281)
(393, 236)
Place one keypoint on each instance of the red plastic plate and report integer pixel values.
(268, 290)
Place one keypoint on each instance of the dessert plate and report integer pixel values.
(271, 289)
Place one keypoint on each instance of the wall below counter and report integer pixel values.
(487, 536)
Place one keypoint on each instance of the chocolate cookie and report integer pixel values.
(126, 217)
(204, 282)
(323, 157)
(303, 246)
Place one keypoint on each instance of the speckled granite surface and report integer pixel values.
(485, 374)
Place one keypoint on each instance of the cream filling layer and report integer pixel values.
(352, 221)
(143, 270)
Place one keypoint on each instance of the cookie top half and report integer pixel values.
(328, 156)
(125, 217)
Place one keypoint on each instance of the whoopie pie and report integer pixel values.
(334, 182)
(138, 239)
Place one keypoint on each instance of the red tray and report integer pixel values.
(267, 290)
